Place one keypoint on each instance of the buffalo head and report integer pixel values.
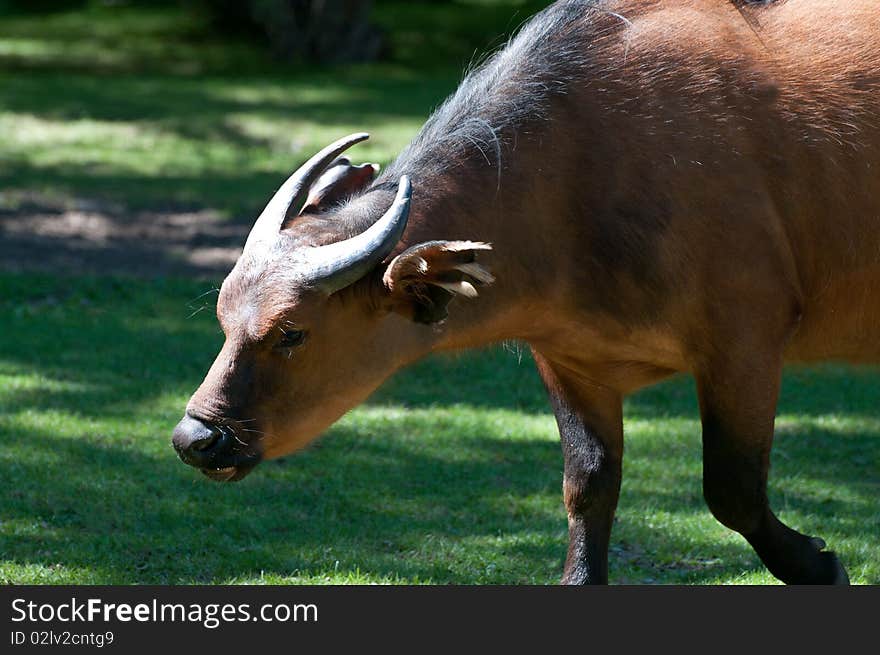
(316, 314)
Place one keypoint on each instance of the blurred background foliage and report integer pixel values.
(313, 31)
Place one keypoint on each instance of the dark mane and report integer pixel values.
(503, 95)
(513, 89)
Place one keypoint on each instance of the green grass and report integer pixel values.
(450, 474)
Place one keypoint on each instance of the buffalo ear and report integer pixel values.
(423, 279)
(339, 181)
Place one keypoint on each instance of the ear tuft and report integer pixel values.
(477, 272)
(461, 246)
(423, 279)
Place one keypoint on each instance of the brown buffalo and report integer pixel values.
(667, 186)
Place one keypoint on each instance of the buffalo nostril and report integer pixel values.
(206, 441)
(195, 439)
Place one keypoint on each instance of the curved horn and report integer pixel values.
(337, 265)
(292, 194)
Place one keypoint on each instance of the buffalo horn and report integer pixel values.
(336, 265)
(288, 200)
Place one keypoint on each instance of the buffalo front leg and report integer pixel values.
(590, 420)
(738, 396)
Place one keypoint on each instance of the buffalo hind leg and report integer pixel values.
(590, 421)
(738, 396)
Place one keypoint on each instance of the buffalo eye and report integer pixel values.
(291, 338)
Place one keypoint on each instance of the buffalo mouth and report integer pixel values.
(228, 473)
(215, 448)
(233, 467)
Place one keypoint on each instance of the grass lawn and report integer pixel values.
(450, 474)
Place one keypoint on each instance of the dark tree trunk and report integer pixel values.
(318, 30)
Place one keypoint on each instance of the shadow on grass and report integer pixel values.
(209, 159)
(200, 109)
(384, 509)
(97, 239)
(206, 162)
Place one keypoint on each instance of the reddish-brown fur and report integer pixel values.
(705, 198)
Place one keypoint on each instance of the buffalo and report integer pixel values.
(634, 188)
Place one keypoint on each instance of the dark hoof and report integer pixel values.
(798, 559)
(841, 577)
(831, 564)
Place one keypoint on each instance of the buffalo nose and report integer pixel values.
(194, 440)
